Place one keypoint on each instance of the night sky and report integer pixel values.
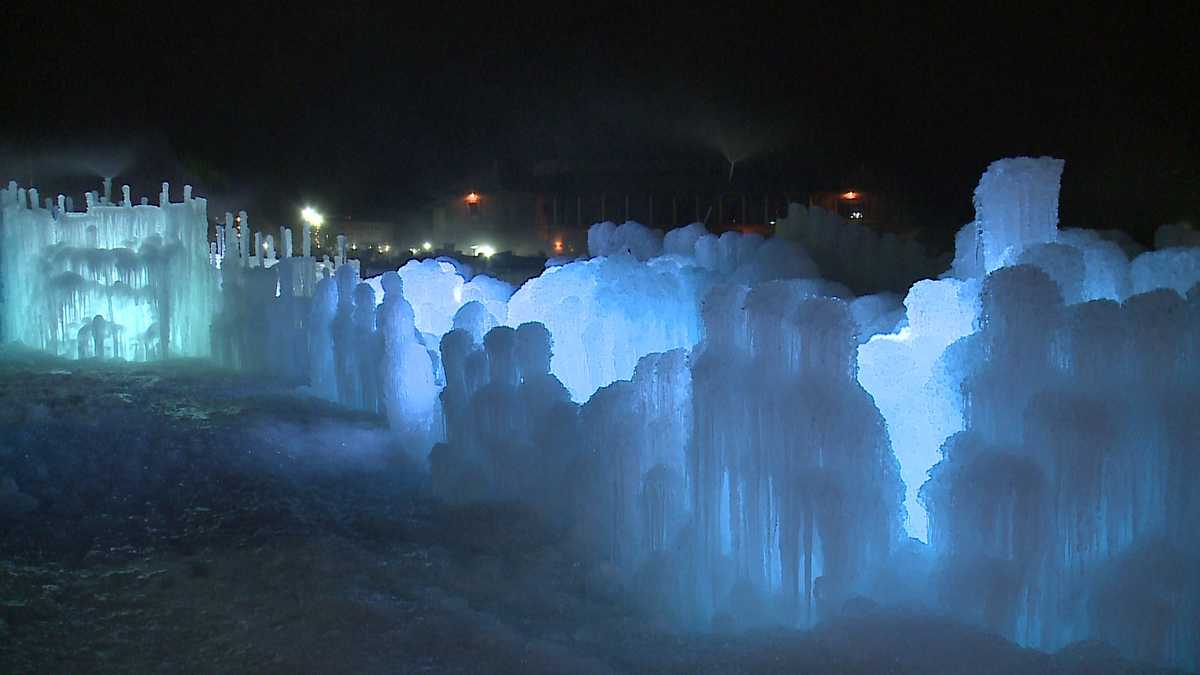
(366, 113)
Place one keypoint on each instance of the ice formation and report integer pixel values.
(607, 312)
(630, 238)
(266, 305)
(406, 386)
(840, 249)
(1076, 461)
(1016, 206)
(1025, 414)
(900, 371)
(116, 280)
(794, 476)
(436, 289)
(744, 440)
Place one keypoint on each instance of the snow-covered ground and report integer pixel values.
(171, 517)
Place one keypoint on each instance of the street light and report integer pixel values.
(314, 220)
(310, 215)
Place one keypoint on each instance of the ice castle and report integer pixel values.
(114, 280)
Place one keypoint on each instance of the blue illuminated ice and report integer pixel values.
(629, 238)
(900, 371)
(437, 288)
(743, 439)
(144, 270)
(407, 387)
(1016, 206)
(608, 312)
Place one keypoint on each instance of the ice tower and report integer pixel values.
(1016, 206)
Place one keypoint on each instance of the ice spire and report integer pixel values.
(244, 238)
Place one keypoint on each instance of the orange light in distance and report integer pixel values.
(472, 198)
(850, 196)
(558, 245)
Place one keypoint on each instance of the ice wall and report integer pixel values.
(117, 280)
(1040, 385)
(511, 426)
(689, 473)
(919, 392)
(265, 302)
(747, 442)
(436, 289)
(1072, 479)
(794, 479)
(608, 312)
(632, 492)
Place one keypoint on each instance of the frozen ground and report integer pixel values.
(168, 517)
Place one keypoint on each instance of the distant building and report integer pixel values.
(548, 207)
(361, 234)
(864, 207)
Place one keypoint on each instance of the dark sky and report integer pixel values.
(268, 107)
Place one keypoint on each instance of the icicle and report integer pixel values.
(107, 199)
(187, 193)
(306, 241)
(230, 247)
(125, 201)
(244, 238)
(164, 197)
(286, 234)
